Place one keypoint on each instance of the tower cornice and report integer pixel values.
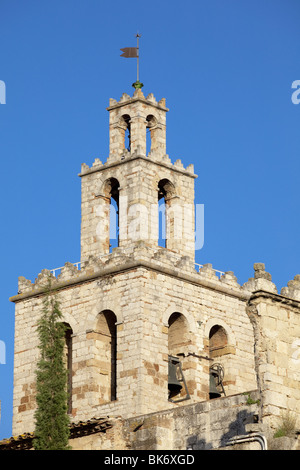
(138, 96)
(85, 170)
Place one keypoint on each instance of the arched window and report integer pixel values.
(178, 336)
(125, 122)
(150, 130)
(106, 346)
(178, 341)
(166, 191)
(217, 340)
(111, 193)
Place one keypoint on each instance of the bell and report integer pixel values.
(173, 383)
(213, 391)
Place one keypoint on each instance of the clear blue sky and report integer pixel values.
(226, 70)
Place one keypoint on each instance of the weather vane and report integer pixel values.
(134, 52)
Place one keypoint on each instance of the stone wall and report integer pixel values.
(277, 332)
(201, 426)
(142, 295)
(132, 309)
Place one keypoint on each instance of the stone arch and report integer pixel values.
(220, 348)
(166, 189)
(151, 137)
(189, 317)
(110, 188)
(178, 334)
(109, 213)
(180, 372)
(166, 213)
(213, 322)
(124, 125)
(100, 307)
(69, 320)
(105, 340)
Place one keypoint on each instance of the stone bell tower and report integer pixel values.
(136, 308)
(136, 181)
(147, 326)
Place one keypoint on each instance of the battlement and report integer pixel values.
(138, 95)
(126, 156)
(120, 259)
(293, 288)
(159, 259)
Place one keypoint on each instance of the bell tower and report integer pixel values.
(136, 116)
(136, 176)
(129, 305)
(148, 329)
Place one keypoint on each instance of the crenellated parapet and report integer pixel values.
(293, 288)
(161, 258)
(127, 156)
(138, 96)
(262, 280)
(120, 259)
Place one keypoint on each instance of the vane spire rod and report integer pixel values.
(134, 52)
(138, 56)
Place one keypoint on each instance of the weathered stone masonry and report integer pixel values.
(132, 308)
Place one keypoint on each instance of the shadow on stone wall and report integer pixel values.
(219, 438)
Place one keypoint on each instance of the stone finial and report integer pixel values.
(208, 271)
(44, 278)
(97, 162)
(179, 164)
(260, 273)
(262, 280)
(124, 97)
(24, 285)
(151, 98)
(229, 279)
(68, 271)
(138, 93)
(190, 168)
(293, 288)
(84, 167)
(112, 102)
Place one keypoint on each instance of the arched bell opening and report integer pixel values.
(218, 340)
(125, 124)
(178, 339)
(151, 124)
(166, 191)
(111, 193)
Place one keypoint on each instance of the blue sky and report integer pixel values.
(225, 67)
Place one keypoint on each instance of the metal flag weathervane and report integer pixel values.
(129, 52)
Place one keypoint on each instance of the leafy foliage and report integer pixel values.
(52, 420)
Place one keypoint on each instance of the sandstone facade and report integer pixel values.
(133, 308)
